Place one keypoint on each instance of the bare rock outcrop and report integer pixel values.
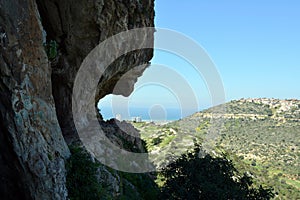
(78, 28)
(35, 105)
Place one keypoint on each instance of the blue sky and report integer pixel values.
(255, 46)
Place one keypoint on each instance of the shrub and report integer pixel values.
(82, 182)
(192, 177)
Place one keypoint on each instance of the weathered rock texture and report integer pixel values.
(35, 103)
(78, 27)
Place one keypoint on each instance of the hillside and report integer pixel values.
(261, 136)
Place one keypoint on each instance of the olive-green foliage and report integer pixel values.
(143, 184)
(51, 49)
(81, 176)
(191, 177)
(82, 183)
(276, 147)
(266, 146)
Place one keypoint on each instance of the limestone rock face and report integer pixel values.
(78, 27)
(36, 85)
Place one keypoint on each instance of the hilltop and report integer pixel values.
(260, 135)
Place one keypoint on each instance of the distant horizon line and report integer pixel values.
(173, 114)
(227, 101)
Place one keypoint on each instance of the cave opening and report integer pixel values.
(163, 93)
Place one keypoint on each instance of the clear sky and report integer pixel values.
(255, 46)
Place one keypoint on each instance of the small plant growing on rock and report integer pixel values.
(51, 49)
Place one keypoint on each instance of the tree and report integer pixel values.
(192, 177)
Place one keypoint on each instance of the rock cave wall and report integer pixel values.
(35, 105)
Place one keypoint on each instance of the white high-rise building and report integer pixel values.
(119, 117)
(136, 119)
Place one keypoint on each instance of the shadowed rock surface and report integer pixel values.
(36, 86)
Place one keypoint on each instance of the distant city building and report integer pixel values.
(136, 119)
(119, 117)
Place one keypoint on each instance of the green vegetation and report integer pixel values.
(82, 181)
(142, 183)
(192, 177)
(51, 49)
(261, 137)
(250, 152)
